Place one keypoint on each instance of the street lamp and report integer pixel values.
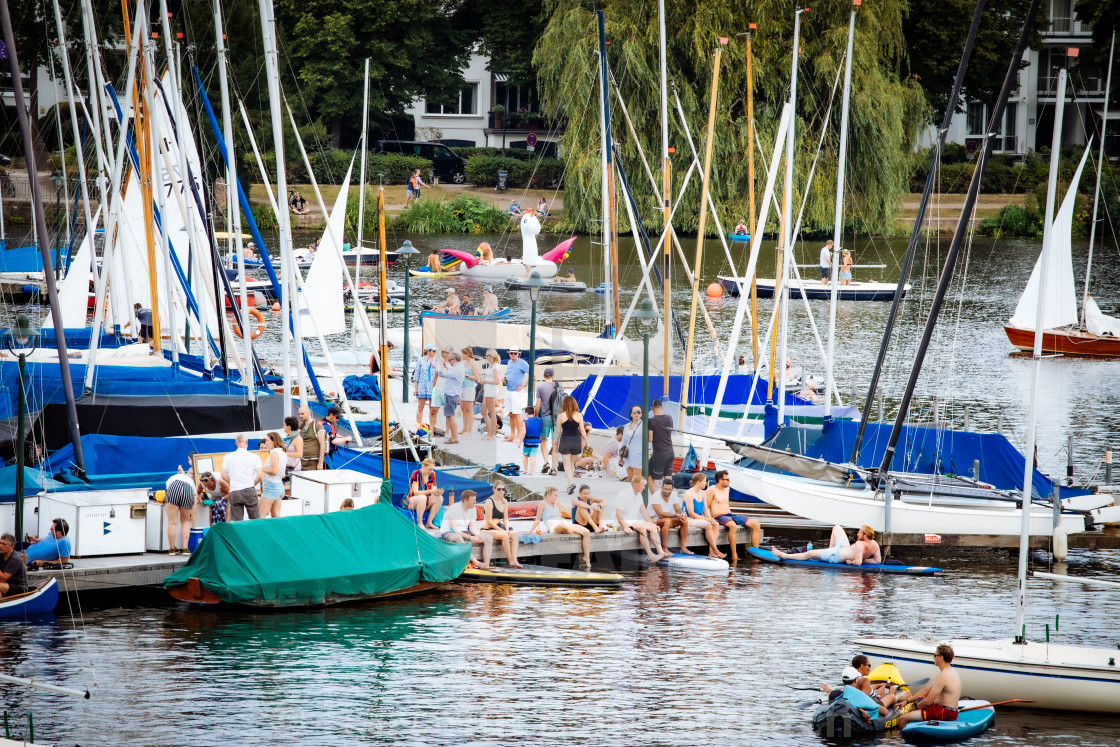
(23, 335)
(535, 285)
(405, 255)
(645, 318)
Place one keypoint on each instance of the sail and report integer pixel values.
(1099, 323)
(321, 295)
(73, 291)
(1059, 307)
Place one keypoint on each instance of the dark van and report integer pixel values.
(445, 164)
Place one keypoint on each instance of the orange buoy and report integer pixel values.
(276, 306)
(715, 290)
(257, 331)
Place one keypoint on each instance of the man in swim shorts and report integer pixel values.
(939, 700)
(718, 498)
(839, 550)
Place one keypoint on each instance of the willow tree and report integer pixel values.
(886, 111)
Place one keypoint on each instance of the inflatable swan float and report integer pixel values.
(499, 269)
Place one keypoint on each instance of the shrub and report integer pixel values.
(464, 214)
(265, 218)
(544, 172)
(394, 168)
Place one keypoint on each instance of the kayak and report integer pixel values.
(968, 724)
(424, 272)
(695, 563)
(889, 567)
(739, 236)
(853, 714)
(537, 575)
(550, 286)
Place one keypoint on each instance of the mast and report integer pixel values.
(916, 231)
(787, 220)
(362, 213)
(383, 350)
(666, 185)
(701, 228)
(958, 239)
(750, 188)
(1036, 357)
(838, 227)
(610, 227)
(41, 230)
(1097, 189)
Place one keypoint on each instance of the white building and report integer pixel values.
(473, 121)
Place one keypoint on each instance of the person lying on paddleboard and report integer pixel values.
(839, 550)
(938, 700)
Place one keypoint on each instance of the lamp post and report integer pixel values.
(405, 254)
(22, 335)
(535, 285)
(645, 317)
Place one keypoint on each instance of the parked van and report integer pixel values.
(445, 164)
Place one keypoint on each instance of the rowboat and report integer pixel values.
(37, 600)
(552, 286)
(815, 290)
(496, 316)
(534, 575)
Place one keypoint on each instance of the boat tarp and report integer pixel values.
(135, 461)
(400, 470)
(618, 392)
(321, 559)
(34, 482)
(20, 258)
(935, 451)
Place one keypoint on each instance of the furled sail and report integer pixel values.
(1099, 323)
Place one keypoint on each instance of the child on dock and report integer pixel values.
(532, 442)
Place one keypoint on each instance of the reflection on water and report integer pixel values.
(670, 658)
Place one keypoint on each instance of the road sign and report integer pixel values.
(531, 138)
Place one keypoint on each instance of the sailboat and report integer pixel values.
(1076, 678)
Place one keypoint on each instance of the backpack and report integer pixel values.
(556, 401)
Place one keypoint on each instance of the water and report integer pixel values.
(671, 658)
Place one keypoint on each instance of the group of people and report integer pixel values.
(456, 306)
(52, 551)
(412, 189)
(937, 701)
(825, 264)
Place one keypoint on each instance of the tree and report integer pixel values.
(935, 34)
(1105, 17)
(887, 107)
(508, 35)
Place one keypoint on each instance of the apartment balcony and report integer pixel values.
(524, 122)
(1067, 28)
(1091, 90)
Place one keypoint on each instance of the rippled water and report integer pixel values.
(671, 658)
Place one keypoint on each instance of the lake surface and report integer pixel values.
(671, 658)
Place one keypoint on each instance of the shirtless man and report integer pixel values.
(433, 262)
(938, 700)
(489, 301)
(865, 549)
(569, 278)
(451, 305)
(718, 499)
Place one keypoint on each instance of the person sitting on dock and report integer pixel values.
(423, 495)
(699, 515)
(839, 550)
(550, 518)
(466, 308)
(588, 459)
(718, 499)
(450, 305)
(631, 514)
(587, 511)
(433, 261)
(13, 573)
(741, 229)
(668, 514)
(461, 524)
(939, 700)
(495, 522)
(242, 471)
(489, 302)
(53, 551)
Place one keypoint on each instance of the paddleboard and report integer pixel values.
(424, 272)
(536, 575)
(968, 724)
(695, 563)
(910, 570)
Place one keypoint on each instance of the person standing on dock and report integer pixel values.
(718, 499)
(472, 375)
(491, 386)
(517, 394)
(452, 377)
(547, 410)
(825, 262)
(179, 497)
(423, 375)
(661, 446)
(314, 441)
(243, 471)
(631, 514)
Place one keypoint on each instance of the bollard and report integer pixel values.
(1108, 468)
(1069, 459)
(976, 470)
(855, 392)
(999, 423)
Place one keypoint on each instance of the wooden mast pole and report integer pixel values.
(666, 189)
(700, 229)
(750, 190)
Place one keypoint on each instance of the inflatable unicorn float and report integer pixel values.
(483, 266)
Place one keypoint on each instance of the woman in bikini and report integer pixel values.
(550, 519)
(495, 522)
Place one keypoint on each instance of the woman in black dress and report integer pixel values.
(570, 445)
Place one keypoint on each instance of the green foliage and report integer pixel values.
(265, 218)
(394, 168)
(886, 111)
(509, 32)
(464, 214)
(518, 153)
(1014, 220)
(543, 172)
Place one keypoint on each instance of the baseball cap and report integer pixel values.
(486, 288)
(548, 371)
(430, 346)
(850, 674)
(450, 290)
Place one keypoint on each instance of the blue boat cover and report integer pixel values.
(362, 387)
(400, 471)
(934, 451)
(20, 258)
(34, 482)
(617, 393)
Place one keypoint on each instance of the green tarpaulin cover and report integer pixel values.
(313, 560)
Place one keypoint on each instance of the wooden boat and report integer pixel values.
(552, 286)
(498, 315)
(814, 290)
(535, 575)
(1068, 341)
(424, 272)
(40, 598)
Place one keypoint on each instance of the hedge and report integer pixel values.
(330, 166)
(545, 172)
(520, 154)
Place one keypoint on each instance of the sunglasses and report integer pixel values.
(499, 490)
(514, 352)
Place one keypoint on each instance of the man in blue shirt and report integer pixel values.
(51, 551)
(517, 394)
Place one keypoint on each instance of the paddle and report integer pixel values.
(998, 702)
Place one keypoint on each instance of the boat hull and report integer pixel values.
(503, 270)
(1064, 678)
(498, 315)
(814, 290)
(38, 601)
(853, 507)
(1065, 341)
(532, 575)
(199, 594)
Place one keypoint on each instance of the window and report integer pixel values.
(465, 102)
(520, 98)
(976, 119)
(1060, 16)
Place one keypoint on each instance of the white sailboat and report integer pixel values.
(1076, 678)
